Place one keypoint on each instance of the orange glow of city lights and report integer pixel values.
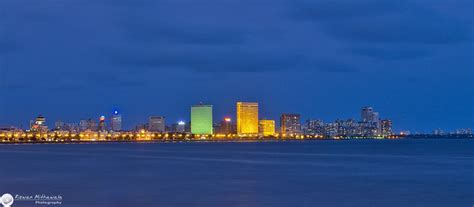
(227, 119)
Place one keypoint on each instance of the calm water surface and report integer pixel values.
(269, 174)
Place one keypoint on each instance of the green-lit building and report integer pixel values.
(201, 119)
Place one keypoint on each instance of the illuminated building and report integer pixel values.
(290, 124)
(201, 119)
(156, 124)
(314, 127)
(386, 127)
(39, 125)
(369, 115)
(247, 118)
(368, 129)
(91, 124)
(83, 125)
(226, 126)
(102, 123)
(371, 121)
(347, 128)
(116, 121)
(59, 125)
(181, 127)
(267, 127)
(141, 127)
(71, 127)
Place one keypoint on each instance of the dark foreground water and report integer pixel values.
(379, 173)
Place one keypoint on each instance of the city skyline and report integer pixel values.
(111, 120)
(248, 125)
(289, 123)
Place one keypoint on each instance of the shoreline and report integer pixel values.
(226, 141)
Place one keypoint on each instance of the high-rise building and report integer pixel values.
(116, 121)
(201, 119)
(386, 127)
(91, 124)
(102, 126)
(247, 118)
(369, 115)
(314, 127)
(181, 127)
(368, 129)
(156, 124)
(370, 118)
(226, 126)
(290, 124)
(267, 127)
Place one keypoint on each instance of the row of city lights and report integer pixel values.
(142, 135)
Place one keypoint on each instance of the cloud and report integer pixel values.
(245, 58)
(385, 22)
(209, 60)
(192, 34)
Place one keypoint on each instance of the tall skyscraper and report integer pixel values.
(156, 124)
(371, 121)
(290, 124)
(116, 121)
(201, 119)
(267, 127)
(247, 118)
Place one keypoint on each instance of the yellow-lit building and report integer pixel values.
(247, 118)
(267, 127)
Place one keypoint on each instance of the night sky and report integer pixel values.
(412, 61)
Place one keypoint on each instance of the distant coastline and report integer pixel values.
(440, 136)
(243, 140)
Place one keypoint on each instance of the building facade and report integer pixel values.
(386, 127)
(201, 119)
(368, 114)
(247, 118)
(290, 124)
(181, 127)
(267, 127)
(116, 120)
(226, 126)
(102, 126)
(39, 125)
(314, 127)
(156, 124)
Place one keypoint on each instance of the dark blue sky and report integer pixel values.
(70, 60)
